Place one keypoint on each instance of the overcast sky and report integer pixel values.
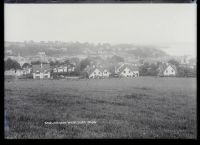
(172, 25)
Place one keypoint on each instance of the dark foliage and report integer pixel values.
(11, 64)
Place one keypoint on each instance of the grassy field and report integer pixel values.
(144, 107)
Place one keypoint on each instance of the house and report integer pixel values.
(70, 68)
(55, 70)
(21, 60)
(167, 69)
(10, 72)
(42, 57)
(127, 70)
(26, 69)
(94, 73)
(19, 72)
(13, 72)
(97, 72)
(64, 68)
(105, 72)
(60, 69)
(41, 71)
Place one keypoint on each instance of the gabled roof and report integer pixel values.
(164, 66)
(103, 69)
(26, 65)
(131, 67)
(90, 70)
(41, 68)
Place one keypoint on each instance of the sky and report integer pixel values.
(172, 27)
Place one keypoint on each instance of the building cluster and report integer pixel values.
(40, 71)
(101, 69)
(67, 68)
(122, 70)
(45, 71)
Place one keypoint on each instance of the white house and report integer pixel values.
(95, 73)
(167, 69)
(41, 71)
(26, 69)
(19, 72)
(60, 69)
(64, 68)
(55, 70)
(10, 72)
(105, 73)
(13, 72)
(127, 70)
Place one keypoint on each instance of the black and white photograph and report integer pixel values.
(100, 71)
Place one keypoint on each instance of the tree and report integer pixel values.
(116, 59)
(35, 62)
(54, 63)
(144, 69)
(153, 70)
(26, 65)
(84, 63)
(11, 64)
(174, 62)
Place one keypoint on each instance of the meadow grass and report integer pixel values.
(144, 107)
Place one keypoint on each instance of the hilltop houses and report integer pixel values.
(41, 71)
(167, 69)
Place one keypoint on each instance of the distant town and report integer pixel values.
(75, 60)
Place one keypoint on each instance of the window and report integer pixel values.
(95, 73)
(45, 71)
(124, 71)
(129, 71)
(37, 71)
